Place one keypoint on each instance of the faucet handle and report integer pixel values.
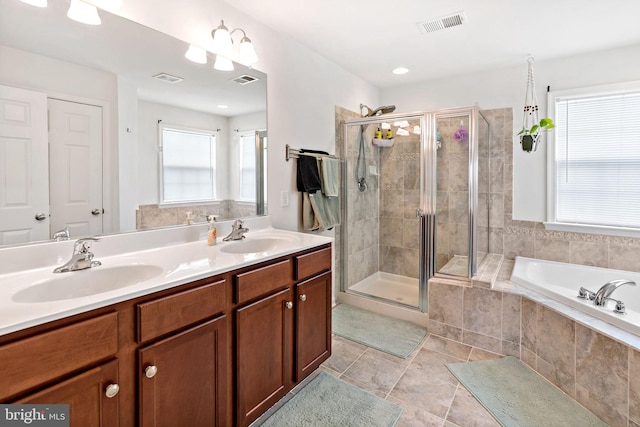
(237, 224)
(82, 245)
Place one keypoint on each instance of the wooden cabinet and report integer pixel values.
(313, 324)
(284, 334)
(263, 354)
(183, 378)
(92, 397)
(215, 352)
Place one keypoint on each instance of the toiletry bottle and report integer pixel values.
(389, 134)
(189, 219)
(212, 234)
(378, 134)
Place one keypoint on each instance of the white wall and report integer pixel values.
(505, 88)
(303, 87)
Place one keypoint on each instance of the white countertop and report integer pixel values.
(177, 264)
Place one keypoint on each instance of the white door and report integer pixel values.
(24, 189)
(75, 163)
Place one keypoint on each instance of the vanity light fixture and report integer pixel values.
(223, 47)
(36, 3)
(83, 12)
(196, 54)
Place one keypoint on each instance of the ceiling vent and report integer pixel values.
(168, 78)
(452, 20)
(245, 79)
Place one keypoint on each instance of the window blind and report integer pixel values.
(597, 160)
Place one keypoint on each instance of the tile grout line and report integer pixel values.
(417, 350)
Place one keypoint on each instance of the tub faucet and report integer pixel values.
(607, 289)
(81, 258)
(237, 231)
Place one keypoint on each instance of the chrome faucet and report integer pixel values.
(81, 258)
(237, 231)
(61, 234)
(602, 295)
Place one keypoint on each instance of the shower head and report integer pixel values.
(368, 112)
(384, 110)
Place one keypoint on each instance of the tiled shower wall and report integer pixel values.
(399, 198)
(151, 216)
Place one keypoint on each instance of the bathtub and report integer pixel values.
(561, 282)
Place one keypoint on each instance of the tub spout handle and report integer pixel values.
(607, 289)
(586, 294)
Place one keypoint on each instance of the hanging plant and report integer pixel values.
(531, 124)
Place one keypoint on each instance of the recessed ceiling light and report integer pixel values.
(223, 106)
(400, 70)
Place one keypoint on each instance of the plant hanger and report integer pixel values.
(531, 123)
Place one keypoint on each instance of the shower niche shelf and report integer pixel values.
(378, 142)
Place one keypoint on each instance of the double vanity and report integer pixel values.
(182, 334)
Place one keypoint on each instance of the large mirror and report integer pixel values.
(109, 128)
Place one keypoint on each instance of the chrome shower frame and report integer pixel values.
(425, 210)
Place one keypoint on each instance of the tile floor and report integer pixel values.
(421, 383)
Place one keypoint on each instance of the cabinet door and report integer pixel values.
(313, 324)
(264, 352)
(86, 395)
(183, 379)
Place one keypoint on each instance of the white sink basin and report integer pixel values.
(82, 283)
(259, 244)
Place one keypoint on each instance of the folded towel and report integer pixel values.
(330, 176)
(326, 210)
(308, 176)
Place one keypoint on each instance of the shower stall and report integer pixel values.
(416, 192)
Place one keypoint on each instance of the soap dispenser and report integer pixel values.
(212, 234)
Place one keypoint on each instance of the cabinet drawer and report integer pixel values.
(163, 315)
(262, 281)
(33, 361)
(310, 264)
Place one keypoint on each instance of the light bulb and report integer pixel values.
(196, 54)
(222, 43)
(223, 64)
(83, 12)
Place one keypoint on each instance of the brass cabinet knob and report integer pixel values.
(112, 390)
(150, 371)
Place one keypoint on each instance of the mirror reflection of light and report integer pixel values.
(402, 132)
(196, 54)
(401, 123)
(386, 126)
(84, 13)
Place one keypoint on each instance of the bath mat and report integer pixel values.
(393, 336)
(517, 396)
(328, 401)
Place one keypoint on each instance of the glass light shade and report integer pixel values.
(417, 130)
(196, 54)
(246, 53)
(83, 12)
(109, 4)
(402, 132)
(36, 3)
(222, 43)
(386, 125)
(223, 64)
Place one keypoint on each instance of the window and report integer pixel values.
(188, 159)
(594, 160)
(248, 166)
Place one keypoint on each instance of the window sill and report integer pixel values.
(592, 229)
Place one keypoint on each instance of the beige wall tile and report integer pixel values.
(482, 341)
(555, 338)
(444, 330)
(483, 311)
(529, 324)
(602, 375)
(553, 250)
(634, 386)
(445, 303)
(590, 253)
(511, 311)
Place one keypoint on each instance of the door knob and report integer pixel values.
(95, 212)
(111, 390)
(40, 216)
(288, 304)
(303, 297)
(150, 371)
